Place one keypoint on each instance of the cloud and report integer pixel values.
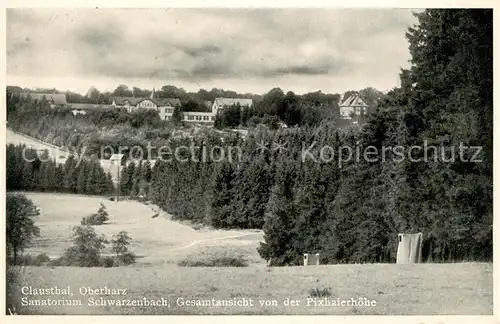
(207, 45)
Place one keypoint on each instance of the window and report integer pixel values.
(190, 117)
(213, 117)
(205, 117)
(198, 117)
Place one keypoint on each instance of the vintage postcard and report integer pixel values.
(249, 161)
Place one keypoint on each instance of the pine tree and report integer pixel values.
(81, 179)
(70, 174)
(91, 178)
(109, 183)
(136, 178)
(126, 179)
(253, 183)
(58, 182)
(220, 212)
(280, 241)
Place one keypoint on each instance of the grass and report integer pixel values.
(156, 240)
(31, 260)
(12, 296)
(424, 289)
(161, 244)
(320, 292)
(216, 262)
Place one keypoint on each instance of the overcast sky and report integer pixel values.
(302, 50)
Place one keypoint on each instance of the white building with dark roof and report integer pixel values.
(54, 99)
(221, 103)
(166, 107)
(83, 108)
(353, 106)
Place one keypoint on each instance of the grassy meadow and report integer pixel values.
(161, 244)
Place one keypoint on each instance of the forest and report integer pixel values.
(350, 213)
(29, 170)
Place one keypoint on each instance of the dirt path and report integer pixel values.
(209, 240)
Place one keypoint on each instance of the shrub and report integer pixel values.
(30, 260)
(86, 249)
(215, 262)
(120, 243)
(96, 219)
(59, 262)
(125, 259)
(107, 262)
(318, 292)
(42, 258)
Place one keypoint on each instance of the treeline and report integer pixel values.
(29, 170)
(135, 179)
(112, 128)
(354, 212)
(291, 108)
(296, 110)
(117, 128)
(347, 212)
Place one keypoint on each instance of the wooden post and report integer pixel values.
(118, 182)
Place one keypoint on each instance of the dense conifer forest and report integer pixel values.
(347, 209)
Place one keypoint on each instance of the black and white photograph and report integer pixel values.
(248, 161)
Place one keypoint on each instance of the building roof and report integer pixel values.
(116, 157)
(56, 98)
(174, 102)
(88, 106)
(233, 101)
(134, 101)
(353, 100)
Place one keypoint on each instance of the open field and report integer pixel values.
(426, 289)
(156, 240)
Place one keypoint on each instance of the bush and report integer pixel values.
(107, 262)
(317, 292)
(30, 260)
(125, 259)
(120, 243)
(216, 262)
(59, 262)
(96, 219)
(86, 249)
(42, 258)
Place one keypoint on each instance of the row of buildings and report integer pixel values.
(350, 107)
(164, 106)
